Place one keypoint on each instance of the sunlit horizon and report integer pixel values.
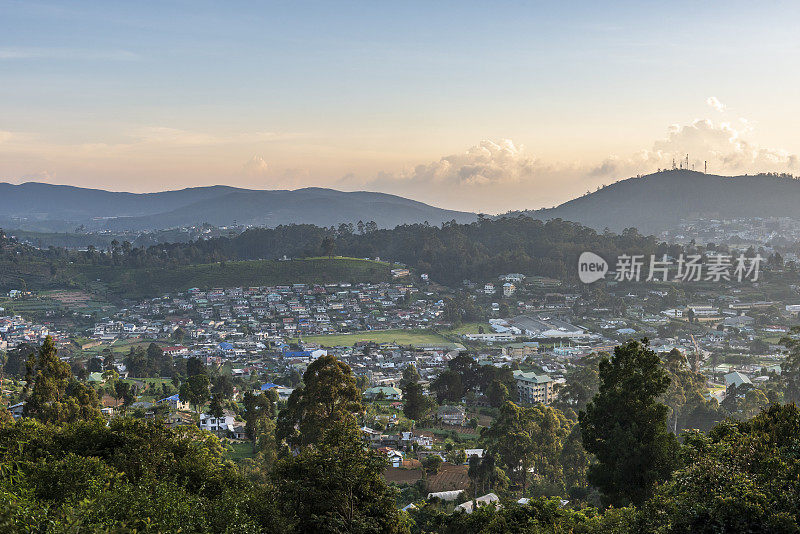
(454, 105)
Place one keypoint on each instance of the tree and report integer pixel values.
(790, 368)
(581, 385)
(223, 386)
(485, 474)
(328, 245)
(257, 411)
(215, 408)
(195, 391)
(432, 464)
(53, 395)
(328, 395)
(125, 391)
(410, 374)
(497, 393)
(95, 365)
(740, 477)
(416, 405)
(625, 426)
(108, 359)
(194, 366)
(337, 486)
(686, 389)
(526, 439)
(448, 387)
(178, 335)
(17, 359)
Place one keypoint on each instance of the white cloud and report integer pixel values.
(256, 166)
(714, 102)
(487, 163)
(725, 146)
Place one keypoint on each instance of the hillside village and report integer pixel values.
(261, 339)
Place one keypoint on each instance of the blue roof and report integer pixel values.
(171, 397)
(225, 346)
(268, 386)
(297, 354)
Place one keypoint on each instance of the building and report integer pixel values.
(509, 289)
(740, 321)
(737, 379)
(546, 327)
(492, 337)
(174, 402)
(533, 388)
(217, 424)
(520, 351)
(486, 500)
(451, 415)
(388, 393)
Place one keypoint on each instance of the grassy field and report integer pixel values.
(399, 337)
(119, 347)
(238, 450)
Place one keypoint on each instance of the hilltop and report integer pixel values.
(653, 202)
(59, 208)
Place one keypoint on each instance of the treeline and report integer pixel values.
(450, 253)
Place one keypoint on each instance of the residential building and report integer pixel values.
(533, 388)
(451, 415)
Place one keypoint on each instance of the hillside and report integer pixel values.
(656, 201)
(59, 208)
(142, 282)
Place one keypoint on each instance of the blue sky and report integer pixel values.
(455, 103)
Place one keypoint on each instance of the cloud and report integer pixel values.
(715, 103)
(724, 146)
(487, 163)
(75, 54)
(256, 166)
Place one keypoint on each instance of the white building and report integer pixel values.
(217, 424)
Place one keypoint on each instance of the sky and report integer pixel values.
(479, 106)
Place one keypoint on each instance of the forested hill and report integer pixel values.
(656, 201)
(46, 207)
(450, 253)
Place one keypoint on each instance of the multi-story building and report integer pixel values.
(533, 388)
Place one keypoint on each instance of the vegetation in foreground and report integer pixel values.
(64, 469)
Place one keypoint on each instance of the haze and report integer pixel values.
(471, 106)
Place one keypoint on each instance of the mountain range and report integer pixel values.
(661, 200)
(59, 208)
(649, 203)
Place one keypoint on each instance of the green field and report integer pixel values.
(399, 337)
(239, 450)
(119, 347)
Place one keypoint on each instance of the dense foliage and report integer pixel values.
(450, 253)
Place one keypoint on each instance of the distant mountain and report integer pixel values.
(657, 201)
(45, 207)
